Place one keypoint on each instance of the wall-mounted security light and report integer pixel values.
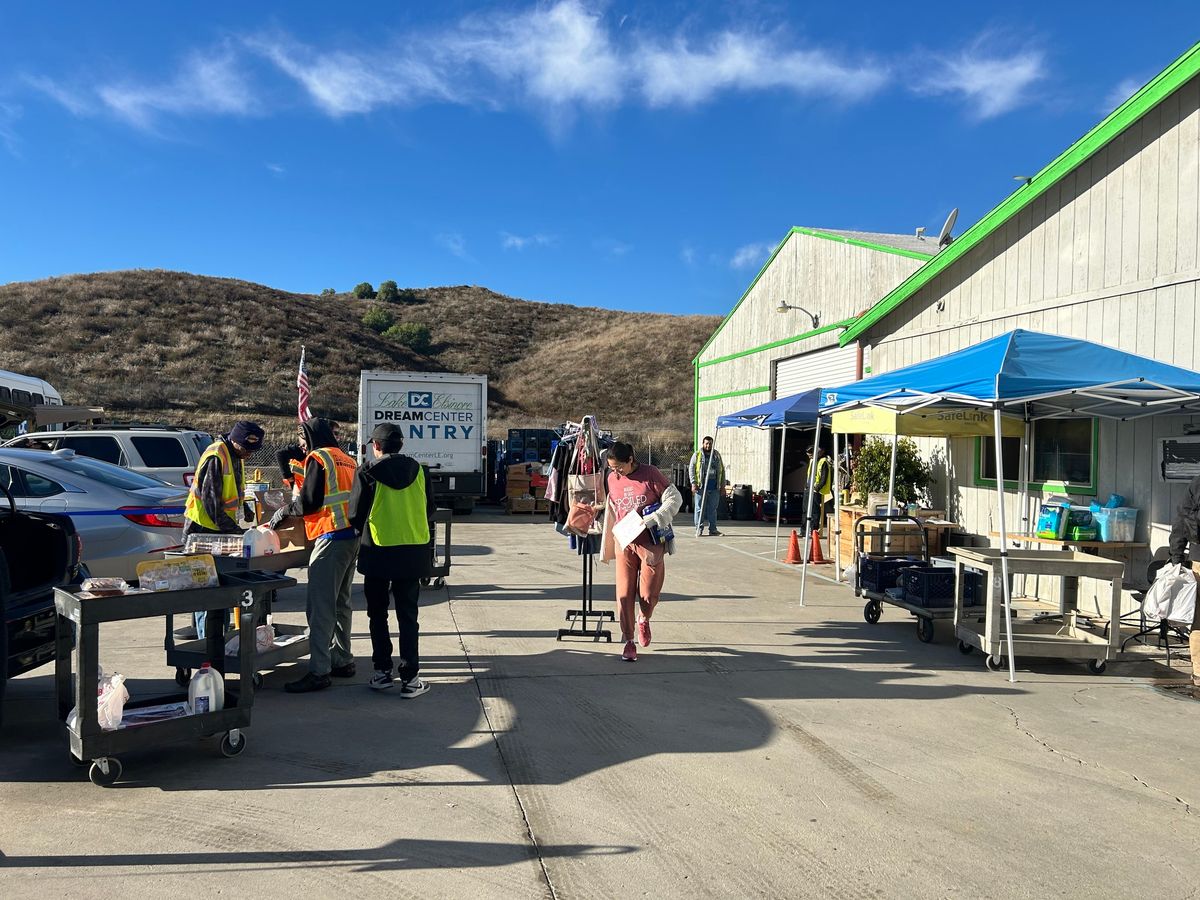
(784, 306)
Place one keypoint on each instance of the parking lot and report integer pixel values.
(756, 749)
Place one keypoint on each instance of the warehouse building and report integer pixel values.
(762, 350)
(1102, 244)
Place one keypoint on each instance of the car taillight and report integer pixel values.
(149, 519)
(188, 478)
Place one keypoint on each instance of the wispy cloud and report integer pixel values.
(454, 243)
(751, 255)
(687, 253)
(511, 241)
(612, 246)
(73, 101)
(990, 80)
(9, 113)
(1121, 92)
(205, 83)
(276, 169)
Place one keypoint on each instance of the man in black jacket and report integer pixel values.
(391, 505)
(1186, 528)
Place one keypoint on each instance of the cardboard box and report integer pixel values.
(521, 504)
(541, 506)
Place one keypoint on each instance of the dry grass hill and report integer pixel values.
(175, 347)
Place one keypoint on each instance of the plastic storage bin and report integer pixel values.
(878, 574)
(929, 586)
(1116, 524)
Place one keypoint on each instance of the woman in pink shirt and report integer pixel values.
(641, 565)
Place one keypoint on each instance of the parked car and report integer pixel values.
(37, 552)
(122, 517)
(161, 451)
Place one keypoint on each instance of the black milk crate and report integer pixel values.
(878, 573)
(972, 587)
(929, 586)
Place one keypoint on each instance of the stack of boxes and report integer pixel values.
(529, 445)
(526, 491)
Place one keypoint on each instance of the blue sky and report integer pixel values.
(629, 155)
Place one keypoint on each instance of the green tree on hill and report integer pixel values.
(328, 292)
(379, 319)
(364, 291)
(412, 335)
(388, 292)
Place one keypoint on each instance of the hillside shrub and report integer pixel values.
(364, 291)
(412, 335)
(408, 295)
(328, 292)
(379, 319)
(388, 292)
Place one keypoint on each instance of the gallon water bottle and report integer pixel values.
(206, 692)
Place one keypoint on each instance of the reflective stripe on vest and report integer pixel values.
(398, 517)
(334, 514)
(296, 467)
(230, 496)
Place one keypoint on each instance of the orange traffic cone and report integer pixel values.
(793, 555)
(814, 555)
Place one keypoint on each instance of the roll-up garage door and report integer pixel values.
(819, 369)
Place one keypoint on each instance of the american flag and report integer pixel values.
(302, 410)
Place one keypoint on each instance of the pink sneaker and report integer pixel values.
(643, 632)
(630, 652)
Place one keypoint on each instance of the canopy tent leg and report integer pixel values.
(837, 511)
(1005, 586)
(891, 492)
(779, 493)
(1023, 496)
(808, 502)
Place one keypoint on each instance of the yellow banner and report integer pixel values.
(926, 423)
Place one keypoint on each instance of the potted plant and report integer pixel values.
(873, 464)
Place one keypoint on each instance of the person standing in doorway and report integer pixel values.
(822, 482)
(324, 502)
(391, 506)
(641, 565)
(706, 474)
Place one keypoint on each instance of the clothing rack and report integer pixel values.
(579, 617)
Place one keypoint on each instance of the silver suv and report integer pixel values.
(164, 452)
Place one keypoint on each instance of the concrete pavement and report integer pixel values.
(756, 749)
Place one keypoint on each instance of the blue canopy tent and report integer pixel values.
(1033, 376)
(798, 410)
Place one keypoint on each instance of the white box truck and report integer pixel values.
(444, 420)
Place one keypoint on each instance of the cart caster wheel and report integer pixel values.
(101, 778)
(439, 583)
(558, 638)
(924, 630)
(872, 611)
(75, 760)
(1097, 666)
(257, 680)
(183, 677)
(424, 582)
(229, 748)
(994, 663)
(964, 648)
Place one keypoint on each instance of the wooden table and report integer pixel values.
(1090, 545)
(1033, 634)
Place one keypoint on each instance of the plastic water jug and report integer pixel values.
(260, 541)
(206, 692)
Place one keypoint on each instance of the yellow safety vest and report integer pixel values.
(823, 482)
(334, 514)
(230, 479)
(398, 517)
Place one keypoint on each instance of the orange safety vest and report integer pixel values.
(334, 514)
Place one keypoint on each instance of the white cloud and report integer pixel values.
(205, 83)
(751, 255)
(990, 81)
(687, 253)
(454, 243)
(276, 169)
(612, 246)
(71, 100)
(1121, 92)
(511, 241)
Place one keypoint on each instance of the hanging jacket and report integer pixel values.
(392, 506)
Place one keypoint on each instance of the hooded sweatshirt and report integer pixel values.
(401, 562)
(318, 433)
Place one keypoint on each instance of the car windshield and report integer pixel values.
(105, 473)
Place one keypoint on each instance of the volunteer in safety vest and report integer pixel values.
(822, 482)
(391, 505)
(324, 502)
(215, 495)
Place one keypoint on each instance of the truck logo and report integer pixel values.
(420, 400)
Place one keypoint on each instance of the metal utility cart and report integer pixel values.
(882, 568)
(77, 627)
(441, 563)
(292, 640)
(1044, 629)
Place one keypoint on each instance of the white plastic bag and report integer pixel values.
(849, 572)
(110, 707)
(264, 639)
(1172, 596)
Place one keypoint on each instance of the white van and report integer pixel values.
(18, 393)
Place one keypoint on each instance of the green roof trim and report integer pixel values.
(779, 343)
(810, 232)
(1113, 125)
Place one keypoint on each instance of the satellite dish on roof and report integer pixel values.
(945, 237)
